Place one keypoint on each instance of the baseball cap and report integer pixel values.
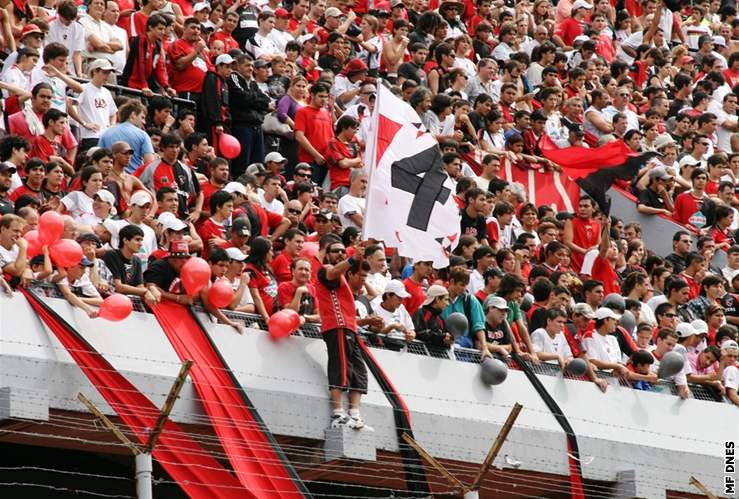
(327, 214)
(101, 64)
(6, 168)
(686, 59)
(107, 197)
(659, 173)
(232, 187)
(685, 329)
(729, 345)
(396, 287)
(200, 6)
(662, 141)
(308, 36)
(261, 63)
(90, 236)
(700, 326)
(236, 254)
(178, 249)
(256, 169)
(275, 157)
(282, 12)
(493, 301)
(719, 40)
(30, 29)
(396, 3)
(224, 59)
(332, 12)
(140, 198)
(434, 292)
(581, 4)
(584, 309)
(171, 222)
(606, 313)
(241, 226)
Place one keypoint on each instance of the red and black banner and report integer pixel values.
(198, 474)
(415, 475)
(252, 450)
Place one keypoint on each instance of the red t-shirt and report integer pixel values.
(42, 148)
(229, 41)
(585, 234)
(208, 190)
(17, 125)
(317, 126)
(693, 285)
(207, 231)
(604, 272)
(292, 25)
(265, 284)
(336, 151)
(286, 292)
(190, 78)
(23, 191)
(281, 267)
(687, 210)
(568, 30)
(417, 295)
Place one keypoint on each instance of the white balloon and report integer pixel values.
(493, 371)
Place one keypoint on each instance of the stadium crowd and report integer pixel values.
(141, 177)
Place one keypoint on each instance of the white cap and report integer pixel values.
(140, 198)
(102, 64)
(719, 40)
(236, 254)
(170, 222)
(332, 12)
(224, 59)
(606, 313)
(274, 157)
(232, 187)
(493, 301)
(729, 345)
(397, 288)
(107, 197)
(700, 326)
(684, 330)
(580, 4)
(200, 6)
(304, 38)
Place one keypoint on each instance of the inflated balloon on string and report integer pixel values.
(116, 307)
(66, 253)
(229, 146)
(195, 275)
(577, 367)
(670, 365)
(50, 227)
(457, 324)
(294, 318)
(34, 244)
(221, 293)
(493, 371)
(282, 324)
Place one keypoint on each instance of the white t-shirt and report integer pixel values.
(681, 378)
(280, 39)
(378, 281)
(84, 284)
(400, 316)
(96, 105)
(730, 378)
(118, 58)
(476, 282)
(72, 37)
(723, 135)
(100, 29)
(78, 205)
(58, 88)
(544, 343)
(150, 239)
(349, 205)
(8, 255)
(263, 46)
(14, 76)
(341, 85)
(275, 206)
(603, 347)
(632, 120)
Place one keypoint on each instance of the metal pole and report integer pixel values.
(143, 476)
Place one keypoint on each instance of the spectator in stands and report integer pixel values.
(681, 243)
(582, 232)
(162, 276)
(146, 64)
(132, 116)
(602, 346)
(313, 131)
(191, 60)
(125, 265)
(262, 284)
(299, 293)
(549, 341)
(656, 199)
(79, 204)
(482, 259)
(461, 301)
(95, 110)
(729, 371)
(282, 265)
(398, 326)
(593, 293)
(219, 261)
(351, 206)
(13, 248)
(691, 207)
(497, 338)
(604, 265)
(212, 231)
(665, 343)
(427, 321)
(76, 287)
(214, 109)
(415, 283)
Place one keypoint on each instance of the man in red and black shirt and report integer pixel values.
(146, 64)
(346, 369)
(219, 174)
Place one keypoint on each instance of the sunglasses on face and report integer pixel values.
(338, 250)
(294, 211)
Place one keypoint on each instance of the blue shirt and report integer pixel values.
(476, 317)
(132, 135)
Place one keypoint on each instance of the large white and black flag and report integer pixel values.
(410, 203)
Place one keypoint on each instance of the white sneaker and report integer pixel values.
(339, 420)
(357, 423)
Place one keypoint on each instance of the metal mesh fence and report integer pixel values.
(457, 353)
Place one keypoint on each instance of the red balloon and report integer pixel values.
(310, 249)
(221, 293)
(294, 318)
(34, 245)
(228, 145)
(281, 325)
(50, 227)
(116, 307)
(66, 253)
(195, 275)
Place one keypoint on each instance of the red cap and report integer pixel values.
(178, 249)
(686, 59)
(354, 66)
(30, 29)
(282, 13)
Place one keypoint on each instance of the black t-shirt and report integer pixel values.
(128, 271)
(482, 49)
(498, 335)
(162, 274)
(730, 304)
(475, 227)
(477, 120)
(328, 61)
(411, 71)
(648, 197)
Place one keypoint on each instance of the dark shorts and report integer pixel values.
(346, 368)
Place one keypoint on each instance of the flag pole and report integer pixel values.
(370, 151)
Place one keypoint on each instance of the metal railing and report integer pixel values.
(457, 353)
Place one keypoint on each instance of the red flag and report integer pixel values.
(578, 162)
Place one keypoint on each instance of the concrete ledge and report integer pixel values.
(348, 443)
(24, 403)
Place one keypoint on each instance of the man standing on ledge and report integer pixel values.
(346, 369)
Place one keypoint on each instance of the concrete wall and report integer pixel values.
(454, 415)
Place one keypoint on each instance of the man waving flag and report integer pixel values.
(410, 204)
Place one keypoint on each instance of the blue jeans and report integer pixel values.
(252, 148)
